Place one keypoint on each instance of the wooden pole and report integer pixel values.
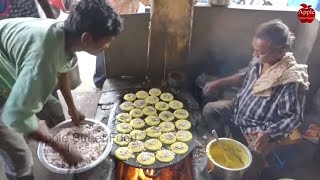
(169, 36)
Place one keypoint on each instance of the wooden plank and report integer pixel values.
(170, 35)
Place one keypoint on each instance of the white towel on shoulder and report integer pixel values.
(285, 71)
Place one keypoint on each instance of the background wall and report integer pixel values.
(128, 54)
(220, 44)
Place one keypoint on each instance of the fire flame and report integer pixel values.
(180, 171)
(142, 176)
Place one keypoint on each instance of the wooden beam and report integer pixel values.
(169, 36)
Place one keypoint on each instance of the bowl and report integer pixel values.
(237, 149)
(68, 123)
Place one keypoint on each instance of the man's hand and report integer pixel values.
(262, 141)
(67, 151)
(76, 116)
(211, 87)
(42, 134)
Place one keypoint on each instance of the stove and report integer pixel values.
(191, 167)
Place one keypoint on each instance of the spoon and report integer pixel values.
(216, 137)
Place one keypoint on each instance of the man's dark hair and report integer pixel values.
(277, 32)
(95, 17)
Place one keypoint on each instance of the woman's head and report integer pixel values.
(94, 23)
(271, 41)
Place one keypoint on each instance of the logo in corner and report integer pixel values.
(306, 14)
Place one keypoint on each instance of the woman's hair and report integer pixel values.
(95, 17)
(277, 32)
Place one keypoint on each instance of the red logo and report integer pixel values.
(306, 14)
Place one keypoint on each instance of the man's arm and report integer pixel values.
(290, 109)
(46, 8)
(67, 151)
(233, 80)
(65, 89)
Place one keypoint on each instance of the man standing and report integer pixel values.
(34, 55)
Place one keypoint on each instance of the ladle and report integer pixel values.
(216, 137)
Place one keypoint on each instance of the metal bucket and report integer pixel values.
(74, 74)
(225, 173)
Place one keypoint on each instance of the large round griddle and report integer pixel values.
(132, 162)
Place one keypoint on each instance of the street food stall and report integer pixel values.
(165, 51)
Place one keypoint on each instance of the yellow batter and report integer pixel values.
(167, 126)
(175, 104)
(142, 94)
(155, 92)
(183, 124)
(136, 113)
(162, 106)
(140, 103)
(126, 106)
(233, 159)
(124, 153)
(146, 158)
(168, 138)
(154, 131)
(124, 128)
(179, 147)
(129, 97)
(138, 134)
(150, 110)
(153, 144)
(136, 146)
(181, 114)
(122, 139)
(152, 100)
(165, 155)
(137, 123)
(124, 117)
(152, 120)
(166, 116)
(167, 97)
